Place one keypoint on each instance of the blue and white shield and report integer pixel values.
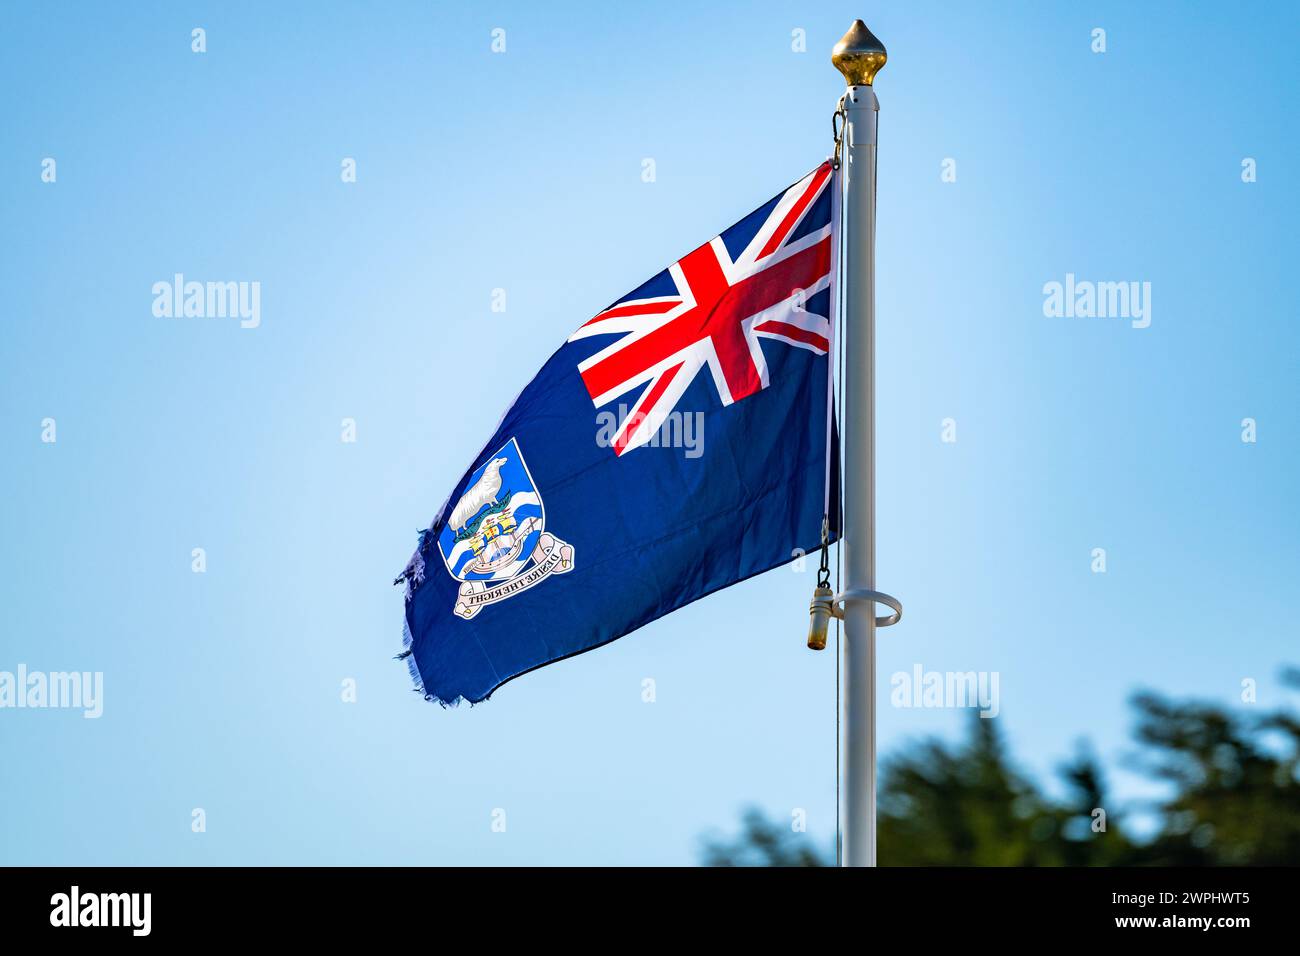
(494, 538)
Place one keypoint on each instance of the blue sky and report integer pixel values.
(522, 171)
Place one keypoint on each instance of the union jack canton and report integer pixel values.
(720, 307)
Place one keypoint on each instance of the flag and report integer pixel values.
(678, 442)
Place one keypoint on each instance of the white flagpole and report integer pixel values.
(859, 56)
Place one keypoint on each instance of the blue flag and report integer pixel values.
(679, 442)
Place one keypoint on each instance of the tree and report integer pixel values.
(1234, 798)
(763, 843)
(1235, 793)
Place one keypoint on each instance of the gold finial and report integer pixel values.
(859, 55)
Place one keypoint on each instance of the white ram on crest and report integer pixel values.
(484, 491)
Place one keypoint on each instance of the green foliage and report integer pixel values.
(969, 806)
(1236, 792)
(763, 843)
(1234, 798)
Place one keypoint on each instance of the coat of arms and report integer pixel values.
(495, 539)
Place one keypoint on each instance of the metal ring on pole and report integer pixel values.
(876, 597)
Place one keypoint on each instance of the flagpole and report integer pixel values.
(859, 56)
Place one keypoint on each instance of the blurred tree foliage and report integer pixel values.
(1234, 798)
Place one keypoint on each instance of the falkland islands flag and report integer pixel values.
(679, 442)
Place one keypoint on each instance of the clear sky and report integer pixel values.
(522, 170)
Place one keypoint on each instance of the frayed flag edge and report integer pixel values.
(408, 655)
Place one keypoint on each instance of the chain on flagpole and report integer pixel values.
(820, 610)
(838, 120)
